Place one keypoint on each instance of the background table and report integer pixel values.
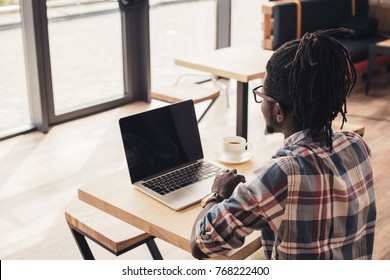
(374, 50)
(241, 64)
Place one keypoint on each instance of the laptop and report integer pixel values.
(164, 144)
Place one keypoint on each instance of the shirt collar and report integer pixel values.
(297, 137)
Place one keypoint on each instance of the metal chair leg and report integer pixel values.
(215, 81)
(208, 108)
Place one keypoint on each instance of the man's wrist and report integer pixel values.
(211, 197)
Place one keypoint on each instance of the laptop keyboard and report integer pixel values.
(182, 177)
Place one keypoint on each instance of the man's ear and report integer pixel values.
(278, 113)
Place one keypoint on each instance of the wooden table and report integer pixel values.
(116, 196)
(382, 47)
(241, 64)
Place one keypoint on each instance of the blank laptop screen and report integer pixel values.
(160, 140)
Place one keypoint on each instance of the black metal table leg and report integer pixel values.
(242, 109)
(153, 249)
(83, 245)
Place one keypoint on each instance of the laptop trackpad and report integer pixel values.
(189, 195)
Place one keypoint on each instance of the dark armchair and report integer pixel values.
(288, 20)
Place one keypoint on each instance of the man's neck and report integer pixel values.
(290, 127)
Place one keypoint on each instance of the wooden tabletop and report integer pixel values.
(116, 196)
(241, 64)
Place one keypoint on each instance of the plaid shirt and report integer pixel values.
(309, 203)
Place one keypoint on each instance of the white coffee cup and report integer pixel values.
(234, 146)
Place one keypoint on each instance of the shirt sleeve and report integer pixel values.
(254, 205)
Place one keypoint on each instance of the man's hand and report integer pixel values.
(226, 181)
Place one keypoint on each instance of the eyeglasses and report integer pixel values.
(259, 95)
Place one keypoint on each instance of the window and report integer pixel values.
(86, 54)
(14, 100)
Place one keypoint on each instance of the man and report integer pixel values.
(315, 198)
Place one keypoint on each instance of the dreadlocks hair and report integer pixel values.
(317, 74)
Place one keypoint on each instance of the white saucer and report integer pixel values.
(224, 158)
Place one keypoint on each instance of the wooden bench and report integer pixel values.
(109, 232)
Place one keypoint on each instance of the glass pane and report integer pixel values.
(176, 29)
(247, 20)
(14, 109)
(86, 53)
